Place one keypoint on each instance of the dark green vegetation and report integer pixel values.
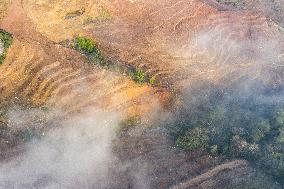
(235, 124)
(13, 136)
(32, 124)
(85, 44)
(194, 139)
(233, 3)
(27, 135)
(6, 39)
(256, 180)
(152, 80)
(16, 136)
(138, 75)
(91, 50)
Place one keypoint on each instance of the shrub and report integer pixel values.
(137, 75)
(260, 130)
(279, 118)
(280, 138)
(197, 138)
(97, 57)
(214, 150)
(6, 39)
(85, 44)
(88, 47)
(216, 114)
(234, 3)
(152, 80)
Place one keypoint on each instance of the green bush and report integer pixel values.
(197, 138)
(234, 3)
(86, 45)
(97, 57)
(137, 75)
(259, 130)
(89, 48)
(279, 118)
(152, 80)
(6, 39)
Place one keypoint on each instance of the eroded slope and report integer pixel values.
(178, 42)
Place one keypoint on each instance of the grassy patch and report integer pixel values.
(6, 40)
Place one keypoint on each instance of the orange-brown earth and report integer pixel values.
(160, 37)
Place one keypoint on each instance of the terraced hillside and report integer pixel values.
(120, 113)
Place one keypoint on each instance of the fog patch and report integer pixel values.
(225, 46)
(75, 153)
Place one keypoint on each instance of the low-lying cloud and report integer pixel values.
(75, 153)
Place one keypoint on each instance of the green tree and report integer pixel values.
(196, 138)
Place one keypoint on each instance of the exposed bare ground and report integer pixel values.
(152, 35)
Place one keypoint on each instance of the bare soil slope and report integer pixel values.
(163, 38)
